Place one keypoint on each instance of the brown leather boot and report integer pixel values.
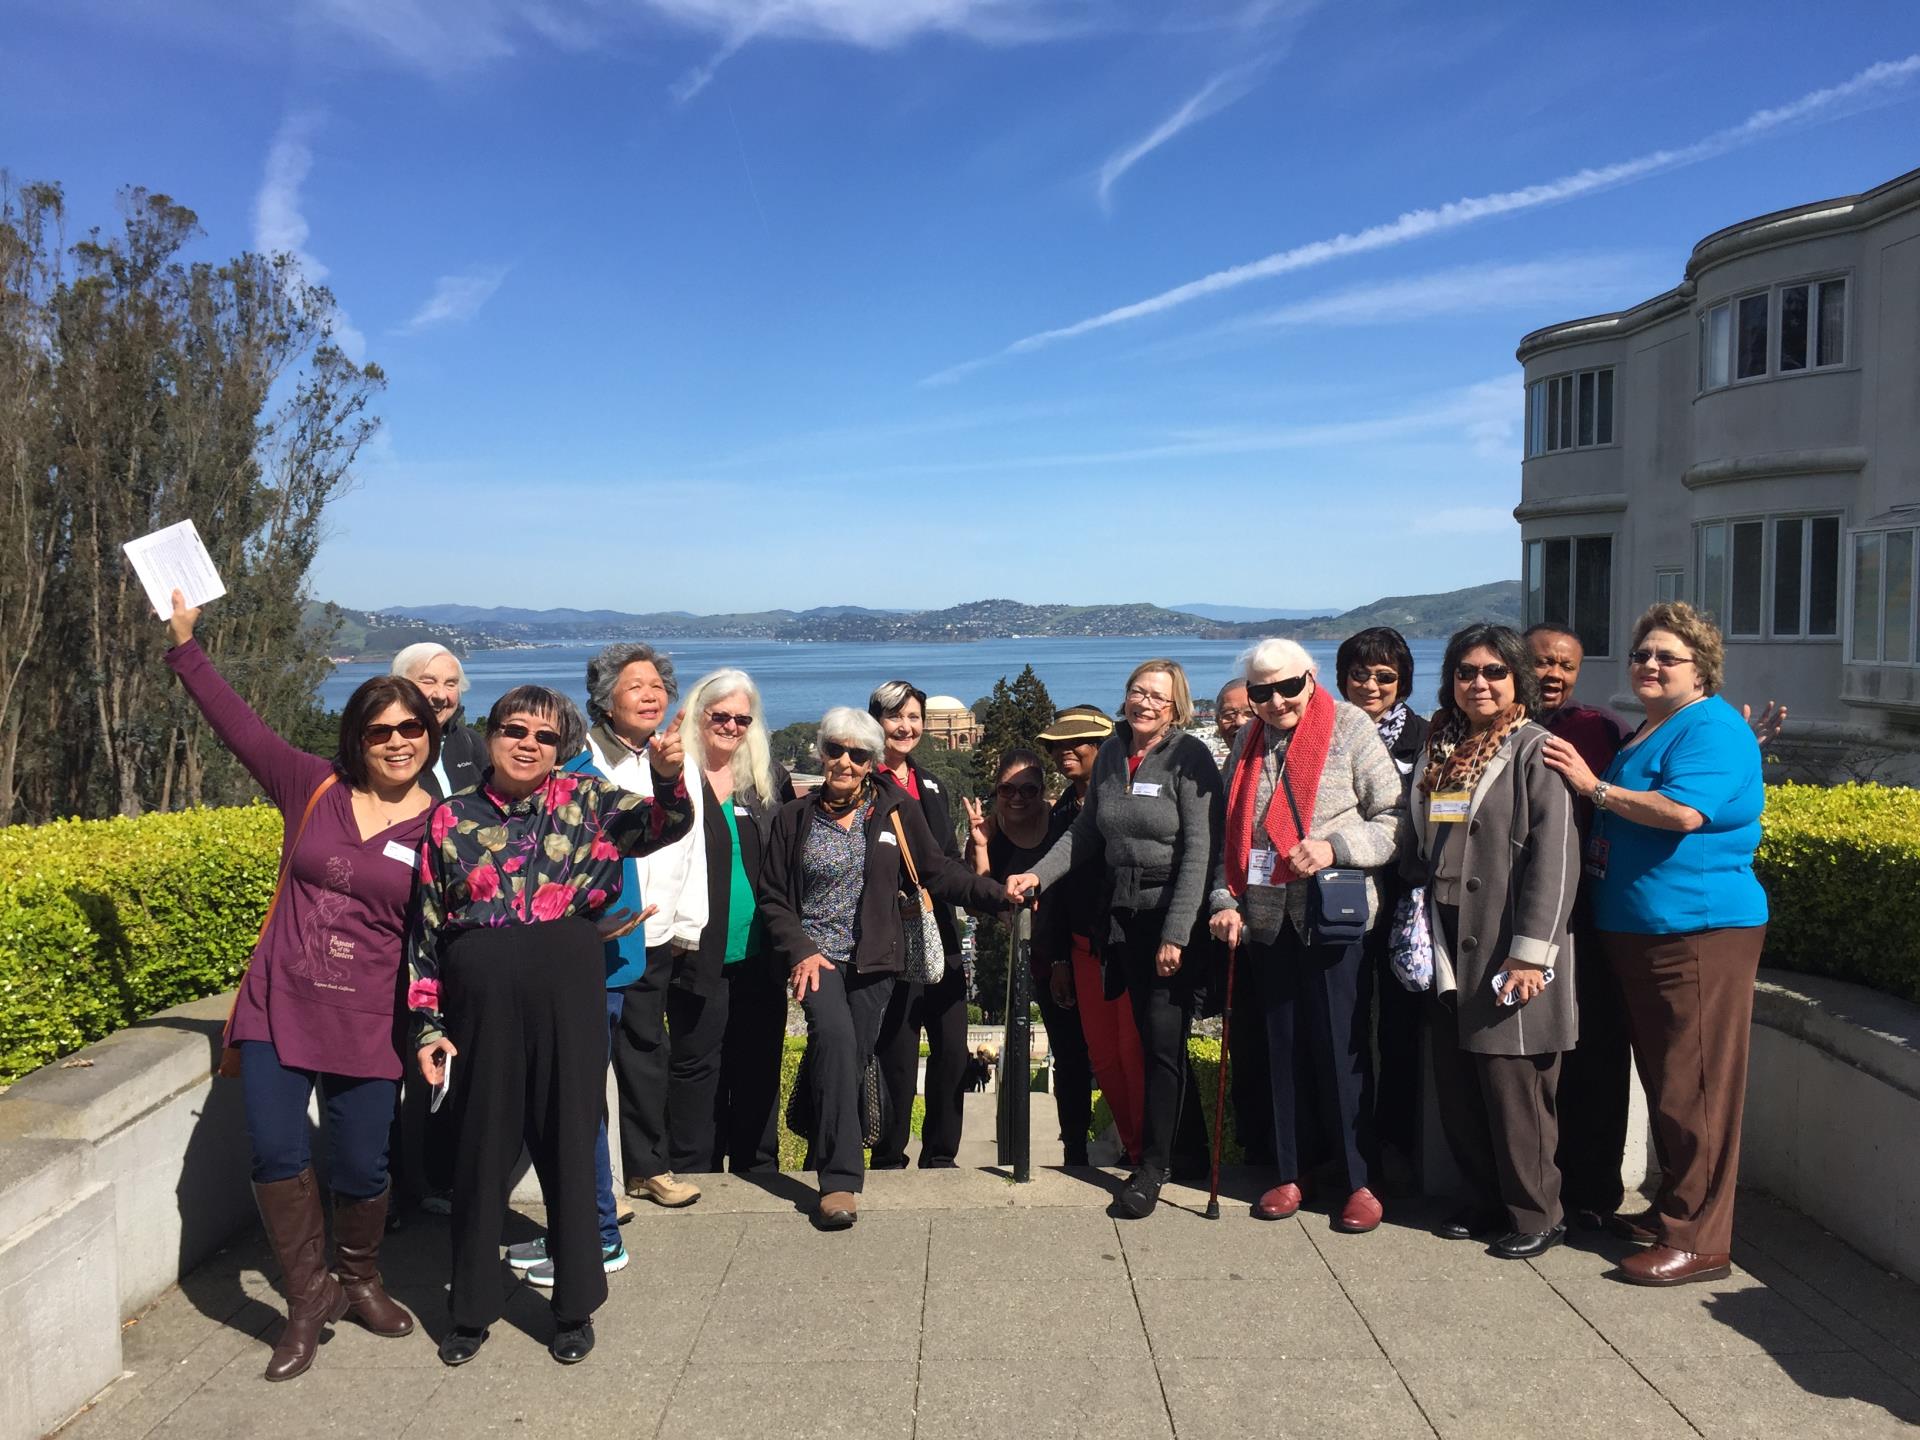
(358, 1226)
(297, 1229)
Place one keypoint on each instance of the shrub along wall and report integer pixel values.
(103, 922)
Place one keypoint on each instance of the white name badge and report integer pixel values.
(1448, 807)
(926, 784)
(396, 851)
(886, 838)
(743, 812)
(1260, 865)
(1149, 788)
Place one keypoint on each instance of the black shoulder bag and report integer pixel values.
(1336, 898)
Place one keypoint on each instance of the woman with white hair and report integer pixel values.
(723, 1080)
(1309, 786)
(443, 680)
(835, 871)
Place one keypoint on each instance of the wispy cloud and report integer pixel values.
(1213, 97)
(455, 298)
(1877, 84)
(280, 223)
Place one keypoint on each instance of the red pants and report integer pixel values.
(1113, 1046)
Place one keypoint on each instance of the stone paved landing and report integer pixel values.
(962, 1305)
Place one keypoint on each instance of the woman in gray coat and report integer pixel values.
(1309, 785)
(1499, 856)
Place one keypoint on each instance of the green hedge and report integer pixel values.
(103, 922)
(1842, 869)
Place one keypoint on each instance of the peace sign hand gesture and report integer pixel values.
(977, 831)
(665, 753)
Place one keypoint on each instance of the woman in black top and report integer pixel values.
(1019, 832)
(1375, 669)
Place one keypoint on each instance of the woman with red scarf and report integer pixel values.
(1309, 785)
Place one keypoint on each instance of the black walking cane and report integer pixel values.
(1016, 1051)
(1220, 1092)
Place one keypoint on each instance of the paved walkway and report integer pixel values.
(963, 1305)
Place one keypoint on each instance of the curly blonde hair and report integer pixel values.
(1698, 633)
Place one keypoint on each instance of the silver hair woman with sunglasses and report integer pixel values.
(508, 976)
(728, 1022)
(1497, 853)
(835, 869)
(316, 1006)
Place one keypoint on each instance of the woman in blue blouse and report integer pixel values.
(1681, 919)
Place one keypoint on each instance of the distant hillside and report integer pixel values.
(1425, 616)
(1249, 612)
(370, 635)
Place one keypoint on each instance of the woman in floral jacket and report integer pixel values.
(508, 972)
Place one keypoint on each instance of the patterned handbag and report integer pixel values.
(926, 951)
(1410, 941)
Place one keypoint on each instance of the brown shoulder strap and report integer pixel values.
(906, 854)
(279, 884)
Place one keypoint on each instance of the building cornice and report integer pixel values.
(1763, 232)
(1840, 459)
(1610, 502)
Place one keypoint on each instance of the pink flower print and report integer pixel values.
(550, 901)
(442, 823)
(512, 867)
(483, 882)
(423, 995)
(560, 790)
(603, 848)
(596, 898)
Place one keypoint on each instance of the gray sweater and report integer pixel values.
(1156, 833)
(1360, 810)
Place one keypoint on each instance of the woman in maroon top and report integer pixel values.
(318, 1002)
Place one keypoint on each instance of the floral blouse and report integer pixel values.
(555, 854)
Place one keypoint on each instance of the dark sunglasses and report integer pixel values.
(1028, 791)
(516, 731)
(718, 718)
(1466, 674)
(834, 750)
(1665, 659)
(1263, 692)
(380, 734)
(1360, 675)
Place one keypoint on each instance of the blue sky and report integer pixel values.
(732, 304)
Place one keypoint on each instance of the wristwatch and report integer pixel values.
(1600, 795)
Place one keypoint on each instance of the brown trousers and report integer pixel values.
(1689, 1002)
(1497, 1112)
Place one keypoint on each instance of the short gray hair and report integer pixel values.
(603, 673)
(1238, 682)
(414, 658)
(852, 727)
(1274, 654)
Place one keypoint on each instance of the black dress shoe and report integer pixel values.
(939, 1162)
(887, 1162)
(1140, 1194)
(573, 1342)
(1472, 1224)
(1525, 1245)
(458, 1345)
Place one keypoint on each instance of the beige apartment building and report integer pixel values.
(1749, 441)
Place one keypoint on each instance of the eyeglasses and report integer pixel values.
(834, 750)
(1467, 674)
(1665, 659)
(1233, 717)
(517, 731)
(1029, 791)
(1147, 697)
(1361, 675)
(380, 734)
(720, 719)
(1265, 690)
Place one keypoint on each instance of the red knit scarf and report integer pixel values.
(1300, 775)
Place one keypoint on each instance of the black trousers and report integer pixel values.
(1250, 1074)
(843, 1027)
(1594, 1086)
(1317, 1001)
(525, 1006)
(1173, 1130)
(698, 1002)
(1399, 1022)
(941, 1011)
(666, 1062)
(748, 1095)
(1072, 1073)
(640, 1061)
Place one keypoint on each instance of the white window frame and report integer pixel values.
(1669, 583)
(1720, 607)
(1879, 533)
(1730, 305)
(1572, 542)
(1539, 410)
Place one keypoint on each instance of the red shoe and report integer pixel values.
(1362, 1213)
(1278, 1203)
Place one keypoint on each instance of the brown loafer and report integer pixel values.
(1278, 1203)
(1361, 1213)
(1663, 1265)
(838, 1210)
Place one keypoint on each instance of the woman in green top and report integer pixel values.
(724, 1086)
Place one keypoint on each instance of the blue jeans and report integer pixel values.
(359, 1111)
(602, 1160)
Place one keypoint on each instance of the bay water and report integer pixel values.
(801, 681)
